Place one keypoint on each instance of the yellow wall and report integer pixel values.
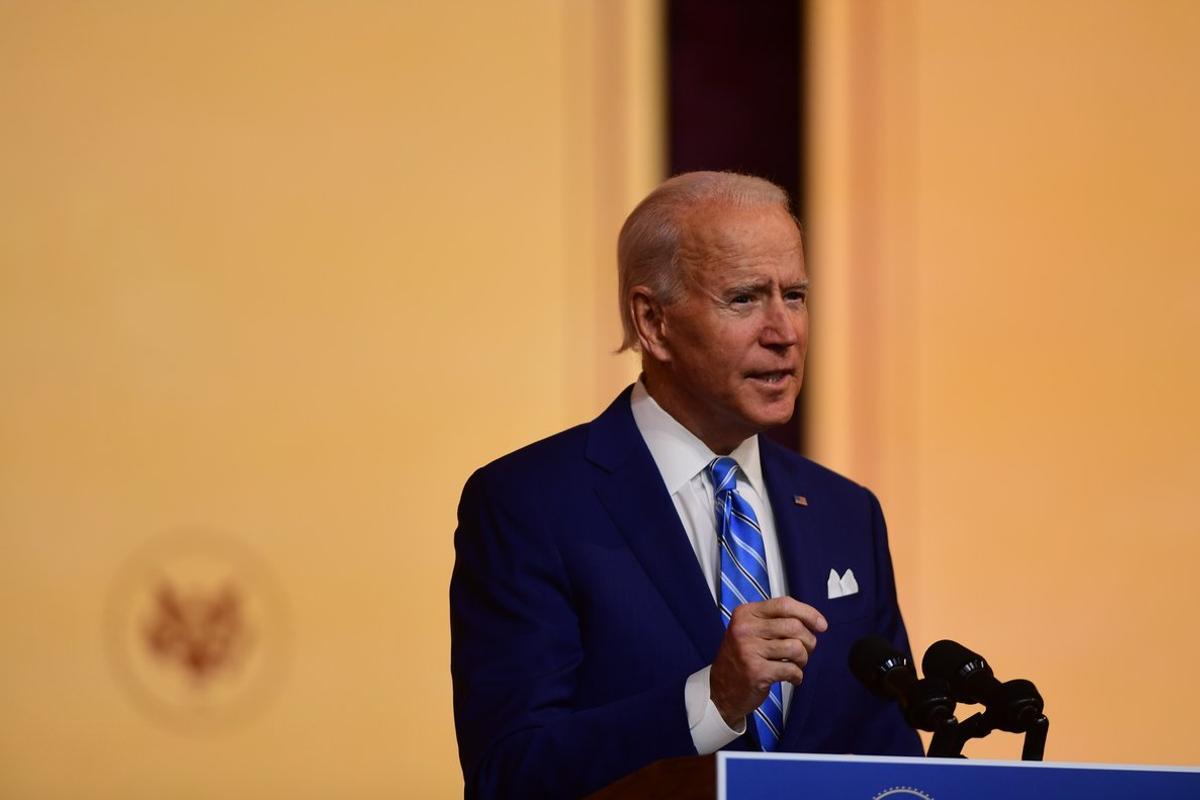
(1006, 319)
(286, 273)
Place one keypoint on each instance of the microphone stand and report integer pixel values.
(946, 742)
(951, 735)
(1035, 739)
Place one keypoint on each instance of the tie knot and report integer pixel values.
(723, 472)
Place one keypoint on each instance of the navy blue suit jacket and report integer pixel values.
(578, 610)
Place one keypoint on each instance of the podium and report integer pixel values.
(781, 776)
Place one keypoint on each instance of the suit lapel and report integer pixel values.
(632, 491)
(800, 546)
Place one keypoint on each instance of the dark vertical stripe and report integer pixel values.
(734, 75)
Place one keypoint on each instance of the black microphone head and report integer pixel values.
(967, 672)
(887, 673)
(1016, 706)
(871, 659)
(945, 657)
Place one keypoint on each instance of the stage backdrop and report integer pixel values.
(274, 279)
(1006, 329)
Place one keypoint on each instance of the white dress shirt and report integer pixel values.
(681, 459)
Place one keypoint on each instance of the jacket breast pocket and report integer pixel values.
(847, 608)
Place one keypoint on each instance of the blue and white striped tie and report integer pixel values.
(743, 575)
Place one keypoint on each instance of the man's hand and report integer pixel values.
(765, 643)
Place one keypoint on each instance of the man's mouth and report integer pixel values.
(772, 377)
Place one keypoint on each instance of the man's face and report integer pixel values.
(733, 346)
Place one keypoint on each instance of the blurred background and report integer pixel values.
(275, 277)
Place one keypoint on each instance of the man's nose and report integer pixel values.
(779, 325)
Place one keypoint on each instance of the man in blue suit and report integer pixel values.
(655, 583)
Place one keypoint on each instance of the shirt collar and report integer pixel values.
(678, 453)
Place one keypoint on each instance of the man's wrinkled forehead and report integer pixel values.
(716, 232)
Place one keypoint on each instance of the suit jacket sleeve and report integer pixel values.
(515, 654)
(887, 733)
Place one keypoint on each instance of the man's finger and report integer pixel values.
(791, 607)
(789, 650)
(787, 628)
(787, 671)
(769, 672)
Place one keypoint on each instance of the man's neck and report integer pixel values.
(674, 405)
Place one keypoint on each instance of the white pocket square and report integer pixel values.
(843, 586)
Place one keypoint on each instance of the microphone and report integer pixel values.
(887, 673)
(1012, 706)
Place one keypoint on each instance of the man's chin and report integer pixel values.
(774, 414)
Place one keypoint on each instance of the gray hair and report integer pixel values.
(648, 246)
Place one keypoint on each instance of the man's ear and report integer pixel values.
(648, 318)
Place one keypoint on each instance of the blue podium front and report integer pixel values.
(778, 776)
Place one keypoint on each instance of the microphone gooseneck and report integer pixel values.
(1012, 706)
(887, 673)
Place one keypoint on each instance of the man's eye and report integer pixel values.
(796, 296)
(741, 299)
